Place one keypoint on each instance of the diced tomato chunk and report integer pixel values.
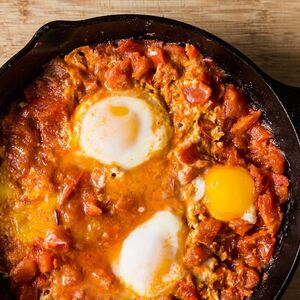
(58, 239)
(270, 212)
(241, 141)
(164, 75)
(207, 231)
(240, 226)
(119, 77)
(233, 157)
(281, 184)
(130, 45)
(191, 51)
(70, 275)
(258, 178)
(186, 289)
(274, 159)
(175, 51)
(45, 262)
(24, 271)
(234, 105)
(244, 277)
(72, 180)
(197, 95)
(229, 155)
(56, 263)
(217, 74)
(257, 249)
(260, 133)
(196, 255)
(205, 128)
(156, 54)
(190, 154)
(267, 155)
(252, 279)
(245, 122)
(140, 65)
(102, 278)
(91, 209)
(41, 282)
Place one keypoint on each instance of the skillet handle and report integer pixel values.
(290, 98)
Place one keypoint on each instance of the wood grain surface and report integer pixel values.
(267, 31)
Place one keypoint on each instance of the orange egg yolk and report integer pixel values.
(229, 192)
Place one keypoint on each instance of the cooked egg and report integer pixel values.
(121, 130)
(149, 261)
(199, 187)
(250, 215)
(229, 192)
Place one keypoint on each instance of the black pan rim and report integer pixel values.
(151, 18)
(125, 17)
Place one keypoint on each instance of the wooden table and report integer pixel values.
(268, 31)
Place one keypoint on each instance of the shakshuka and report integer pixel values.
(136, 169)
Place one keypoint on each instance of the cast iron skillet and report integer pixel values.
(281, 103)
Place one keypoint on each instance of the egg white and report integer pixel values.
(250, 215)
(199, 187)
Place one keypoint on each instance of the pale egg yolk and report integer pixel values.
(229, 192)
(120, 127)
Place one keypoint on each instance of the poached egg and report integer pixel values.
(122, 130)
(228, 193)
(149, 262)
